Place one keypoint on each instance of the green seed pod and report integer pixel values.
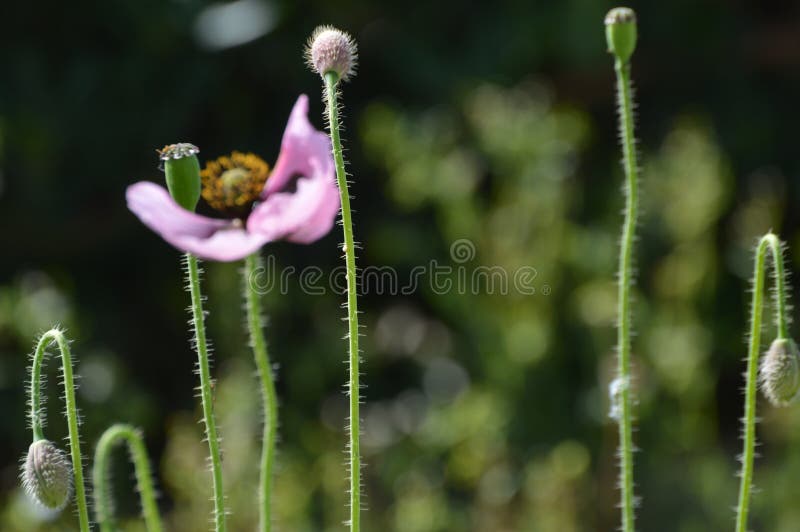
(621, 32)
(47, 475)
(780, 372)
(182, 170)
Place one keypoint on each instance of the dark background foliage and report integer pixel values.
(489, 122)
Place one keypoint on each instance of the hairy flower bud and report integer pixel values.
(621, 32)
(331, 50)
(780, 372)
(182, 171)
(47, 475)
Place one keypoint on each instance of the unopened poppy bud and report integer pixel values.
(780, 372)
(47, 475)
(331, 50)
(621, 32)
(182, 170)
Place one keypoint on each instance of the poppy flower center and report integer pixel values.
(231, 184)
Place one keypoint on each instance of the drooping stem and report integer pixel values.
(259, 344)
(37, 414)
(625, 415)
(769, 243)
(198, 321)
(779, 276)
(103, 498)
(331, 95)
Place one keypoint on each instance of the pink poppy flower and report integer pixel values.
(258, 206)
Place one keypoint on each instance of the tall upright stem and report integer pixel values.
(103, 498)
(198, 320)
(625, 101)
(259, 344)
(331, 94)
(768, 244)
(71, 410)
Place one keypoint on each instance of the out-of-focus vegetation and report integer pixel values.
(494, 124)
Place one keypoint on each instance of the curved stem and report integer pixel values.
(768, 243)
(331, 94)
(103, 499)
(625, 101)
(198, 321)
(37, 414)
(779, 276)
(259, 345)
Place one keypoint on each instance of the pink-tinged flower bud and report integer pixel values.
(47, 475)
(331, 50)
(780, 372)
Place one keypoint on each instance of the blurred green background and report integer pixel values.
(489, 122)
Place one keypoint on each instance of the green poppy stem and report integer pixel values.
(201, 345)
(769, 244)
(624, 406)
(103, 498)
(259, 345)
(331, 95)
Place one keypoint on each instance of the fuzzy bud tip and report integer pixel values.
(621, 32)
(47, 475)
(780, 372)
(331, 50)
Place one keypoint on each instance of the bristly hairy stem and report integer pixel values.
(259, 344)
(625, 101)
(769, 244)
(71, 410)
(103, 498)
(331, 96)
(198, 321)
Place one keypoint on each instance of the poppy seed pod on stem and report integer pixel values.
(621, 32)
(620, 25)
(182, 172)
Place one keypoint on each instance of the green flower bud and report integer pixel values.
(780, 372)
(182, 170)
(621, 32)
(47, 475)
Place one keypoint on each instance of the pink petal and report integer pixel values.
(208, 238)
(226, 245)
(322, 217)
(301, 145)
(304, 215)
(158, 211)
